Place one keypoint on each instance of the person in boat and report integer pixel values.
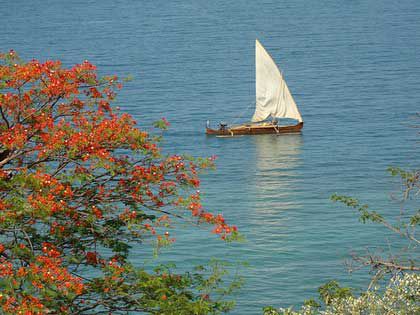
(223, 126)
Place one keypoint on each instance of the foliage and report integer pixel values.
(80, 185)
(404, 225)
(402, 295)
(332, 291)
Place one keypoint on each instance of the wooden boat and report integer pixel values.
(272, 99)
(254, 129)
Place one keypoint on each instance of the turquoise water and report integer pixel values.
(353, 68)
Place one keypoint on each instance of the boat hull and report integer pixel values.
(254, 130)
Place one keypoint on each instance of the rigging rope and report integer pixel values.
(241, 114)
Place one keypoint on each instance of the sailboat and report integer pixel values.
(273, 100)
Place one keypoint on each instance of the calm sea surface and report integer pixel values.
(354, 69)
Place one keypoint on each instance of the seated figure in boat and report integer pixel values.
(223, 126)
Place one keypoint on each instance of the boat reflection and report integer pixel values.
(276, 178)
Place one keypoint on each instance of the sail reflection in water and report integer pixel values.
(276, 178)
(276, 203)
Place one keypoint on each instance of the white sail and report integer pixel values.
(273, 97)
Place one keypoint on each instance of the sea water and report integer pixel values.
(354, 70)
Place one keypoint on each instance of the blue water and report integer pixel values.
(353, 68)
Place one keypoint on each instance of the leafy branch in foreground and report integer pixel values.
(404, 225)
(402, 294)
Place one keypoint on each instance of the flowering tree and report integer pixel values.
(79, 185)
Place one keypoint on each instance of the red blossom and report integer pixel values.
(92, 258)
(77, 177)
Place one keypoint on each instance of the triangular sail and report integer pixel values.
(273, 97)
